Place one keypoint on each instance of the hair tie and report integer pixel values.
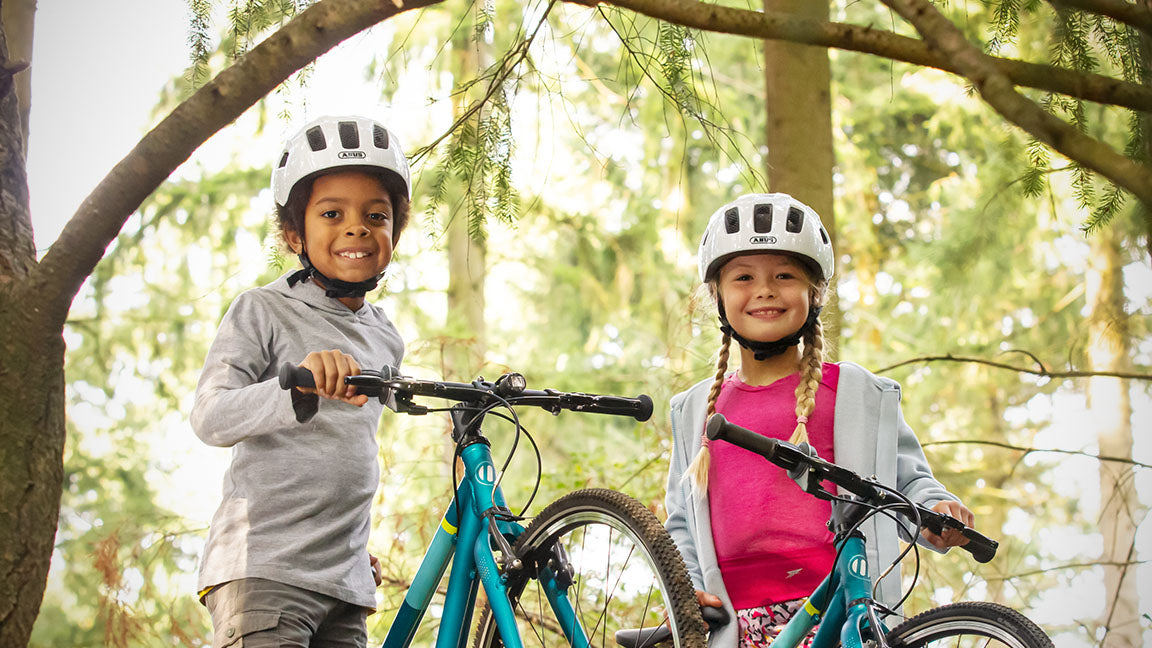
(801, 419)
(703, 441)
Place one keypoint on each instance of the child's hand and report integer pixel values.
(377, 573)
(329, 369)
(708, 600)
(950, 537)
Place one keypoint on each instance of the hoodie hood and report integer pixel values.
(313, 295)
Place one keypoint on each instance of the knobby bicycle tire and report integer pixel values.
(982, 624)
(601, 530)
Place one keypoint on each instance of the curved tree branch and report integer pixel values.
(1027, 450)
(998, 92)
(102, 214)
(1042, 371)
(709, 17)
(1133, 14)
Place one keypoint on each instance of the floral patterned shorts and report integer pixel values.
(759, 626)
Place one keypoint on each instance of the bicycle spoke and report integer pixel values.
(617, 581)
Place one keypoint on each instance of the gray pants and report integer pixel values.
(254, 613)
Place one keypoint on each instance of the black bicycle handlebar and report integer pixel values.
(373, 383)
(799, 464)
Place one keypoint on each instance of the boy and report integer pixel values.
(286, 561)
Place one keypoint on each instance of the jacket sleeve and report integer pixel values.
(232, 404)
(678, 494)
(914, 476)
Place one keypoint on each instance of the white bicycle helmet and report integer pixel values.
(771, 222)
(333, 142)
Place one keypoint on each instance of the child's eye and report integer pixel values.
(743, 277)
(380, 216)
(331, 213)
(785, 275)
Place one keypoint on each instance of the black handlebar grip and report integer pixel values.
(639, 408)
(982, 549)
(294, 376)
(714, 616)
(719, 428)
(644, 411)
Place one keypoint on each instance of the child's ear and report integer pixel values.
(292, 238)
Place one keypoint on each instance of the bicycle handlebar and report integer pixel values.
(508, 387)
(800, 464)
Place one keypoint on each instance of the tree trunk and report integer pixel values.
(31, 398)
(1109, 348)
(19, 17)
(799, 127)
(466, 256)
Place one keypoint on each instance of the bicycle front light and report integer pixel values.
(510, 384)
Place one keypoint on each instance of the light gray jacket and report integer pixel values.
(870, 437)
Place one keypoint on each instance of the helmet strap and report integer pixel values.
(336, 288)
(764, 350)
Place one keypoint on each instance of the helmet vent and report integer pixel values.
(283, 160)
(762, 218)
(824, 236)
(795, 220)
(379, 136)
(349, 136)
(316, 140)
(732, 220)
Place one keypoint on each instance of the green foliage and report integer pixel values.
(945, 247)
(1088, 43)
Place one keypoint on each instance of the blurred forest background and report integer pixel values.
(565, 160)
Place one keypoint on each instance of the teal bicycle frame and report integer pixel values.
(478, 522)
(847, 609)
(464, 539)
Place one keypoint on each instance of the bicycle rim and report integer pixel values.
(625, 573)
(963, 625)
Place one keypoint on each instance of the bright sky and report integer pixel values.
(92, 93)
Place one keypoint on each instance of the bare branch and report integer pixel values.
(509, 64)
(1134, 14)
(1026, 450)
(1042, 371)
(1088, 565)
(997, 90)
(700, 15)
(219, 102)
(1124, 572)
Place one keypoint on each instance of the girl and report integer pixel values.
(754, 543)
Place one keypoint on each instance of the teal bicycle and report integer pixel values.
(592, 562)
(842, 604)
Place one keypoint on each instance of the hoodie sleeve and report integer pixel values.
(678, 494)
(232, 402)
(914, 476)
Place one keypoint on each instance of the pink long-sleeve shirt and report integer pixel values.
(771, 541)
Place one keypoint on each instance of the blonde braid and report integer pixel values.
(811, 371)
(698, 470)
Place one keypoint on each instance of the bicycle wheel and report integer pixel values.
(624, 572)
(969, 624)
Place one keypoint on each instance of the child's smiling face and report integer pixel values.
(766, 296)
(347, 226)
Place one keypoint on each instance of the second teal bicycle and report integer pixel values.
(843, 604)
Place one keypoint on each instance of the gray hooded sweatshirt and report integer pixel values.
(297, 495)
